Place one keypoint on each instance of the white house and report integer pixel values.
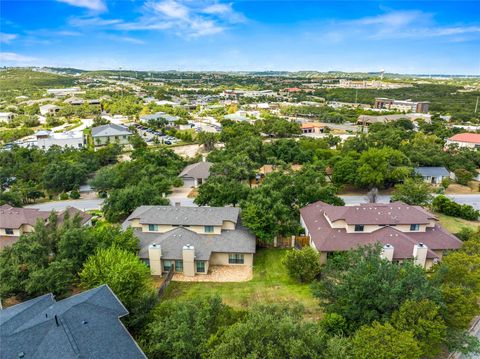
(47, 139)
(6, 116)
(49, 109)
(111, 133)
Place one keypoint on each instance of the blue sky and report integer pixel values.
(407, 37)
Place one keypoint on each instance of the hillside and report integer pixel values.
(26, 79)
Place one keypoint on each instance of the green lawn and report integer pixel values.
(454, 225)
(270, 284)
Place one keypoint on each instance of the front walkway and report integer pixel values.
(219, 274)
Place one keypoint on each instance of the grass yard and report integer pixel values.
(454, 225)
(270, 284)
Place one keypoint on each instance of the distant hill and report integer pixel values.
(26, 79)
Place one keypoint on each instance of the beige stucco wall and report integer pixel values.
(221, 259)
(369, 228)
(16, 232)
(162, 228)
(228, 225)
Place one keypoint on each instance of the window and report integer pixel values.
(414, 227)
(235, 258)
(200, 266)
(359, 228)
(146, 261)
(153, 227)
(178, 266)
(209, 229)
(167, 265)
(8, 231)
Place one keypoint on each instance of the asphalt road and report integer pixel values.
(470, 199)
(83, 204)
(181, 196)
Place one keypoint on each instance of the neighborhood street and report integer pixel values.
(470, 199)
(82, 204)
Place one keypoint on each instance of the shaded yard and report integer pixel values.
(270, 284)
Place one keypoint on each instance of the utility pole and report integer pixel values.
(476, 106)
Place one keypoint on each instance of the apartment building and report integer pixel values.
(402, 105)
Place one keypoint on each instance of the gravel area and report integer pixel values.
(219, 274)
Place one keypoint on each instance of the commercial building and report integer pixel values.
(468, 140)
(402, 105)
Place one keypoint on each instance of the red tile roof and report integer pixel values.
(466, 137)
(328, 239)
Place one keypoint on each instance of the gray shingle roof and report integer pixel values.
(88, 327)
(14, 217)
(110, 130)
(191, 216)
(197, 170)
(239, 240)
(432, 171)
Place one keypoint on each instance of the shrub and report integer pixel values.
(74, 194)
(445, 205)
(303, 265)
(63, 196)
(446, 182)
(463, 176)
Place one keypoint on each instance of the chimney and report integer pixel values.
(420, 254)
(387, 252)
(188, 254)
(155, 258)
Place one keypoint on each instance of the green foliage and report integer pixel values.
(74, 194)
(445, 205)
(413, 191)
(279, 127)
(423, 320)
(463, 176)
(349, 280)
(124, 273)
(269, 332)
(219, 191)
(303, 265)
(208, 140)
(7, 136)
(56, 278)
(385, 342)
(182, 329)
(272, 208)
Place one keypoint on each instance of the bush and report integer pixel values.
(446, 182)
(63, 196)
(303, 265)
(74, 194)
(446, 206)
(463, 176)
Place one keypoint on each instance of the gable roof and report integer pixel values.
(72, 212)
(466, 137)
(328, 239)
(197, 170)
(111, 129)
(13, 217)
(172, 242)
(85, 325)
(432, 171)
(176, 215)
(375, 213)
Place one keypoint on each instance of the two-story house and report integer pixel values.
(111, 133)
(17, 221)
(190, 239)
(406, 232)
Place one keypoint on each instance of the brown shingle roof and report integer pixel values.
(13, 217)
(72, 212)
(328, 239)
(378, 213)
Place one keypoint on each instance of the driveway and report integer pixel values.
(82, 204)
(470, 199)
(180, 195)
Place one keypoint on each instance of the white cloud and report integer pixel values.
(171, 9)
(129, 39)
(95, 5)
(13, 57)
(7, 38)
(186, 18)
(394, 25)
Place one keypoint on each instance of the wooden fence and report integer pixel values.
(166, 282)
